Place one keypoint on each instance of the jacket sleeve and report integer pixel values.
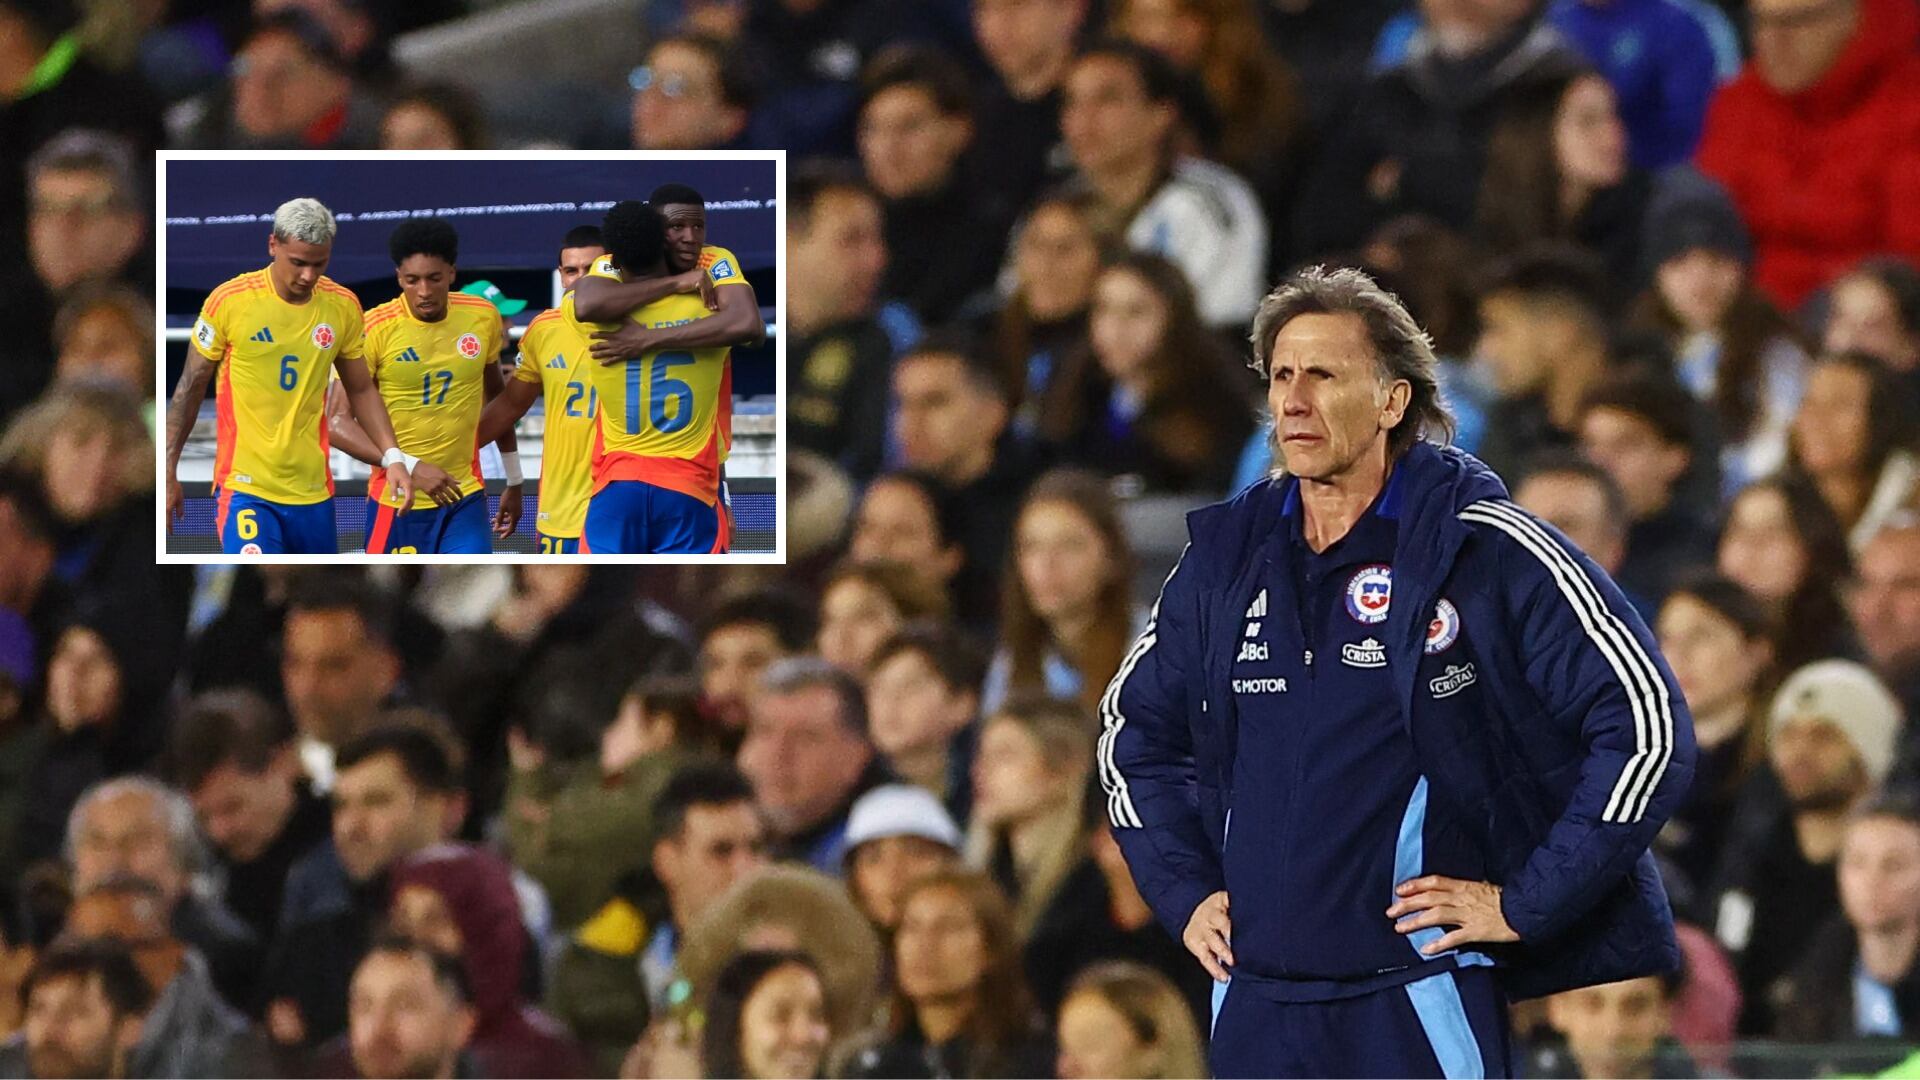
(1592, 662)
(1146, 760)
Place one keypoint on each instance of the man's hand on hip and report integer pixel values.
(1472, 907)
(1209, 936)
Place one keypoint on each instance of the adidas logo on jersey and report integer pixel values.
(265, 334)
(557, 362)
(411, 355)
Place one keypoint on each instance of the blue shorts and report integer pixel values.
(559, 545)
(1453, 1024)
(250, 525)
(631, 517)
(460, 529)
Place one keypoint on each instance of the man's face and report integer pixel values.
(1795, 42)
(1880, 875)
(731, 660)
(280, 89)
(243, 811)
(880, 871)
(895, 524)
(1330, 405)
(907, 145)
(576, 261)
(1818, 767)
(1644, 465)
(911, 708)
(297, 266)
(72, 1030)
(944, 421)
(1024, 38)
(401, 1022)
(686, 234)
(1885, 598)
(126, 834)
(425, 280)
(83, 678)
(76, 229)
(841, 252)
(682, 106)
(1107, 120)
(1516, 344)
(104, 343)
(381, 816)
(1612, 1029)
(801, 759)
(335, 676)
(718, 844)
(1577, 507)
(139, 923)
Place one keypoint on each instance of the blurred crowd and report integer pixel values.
(836, 817)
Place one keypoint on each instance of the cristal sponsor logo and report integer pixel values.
(1252, 650)
(1457, 678)
(1260, 686)
(1366, 653)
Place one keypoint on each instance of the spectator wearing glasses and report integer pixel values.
(691, 95)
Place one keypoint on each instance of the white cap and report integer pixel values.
(900, 810)
(1852, 699)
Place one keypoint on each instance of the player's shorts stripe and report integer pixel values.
(220, 514)
(382, 525)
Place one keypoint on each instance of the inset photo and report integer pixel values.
(461, 357)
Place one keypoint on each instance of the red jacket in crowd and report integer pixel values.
(1829, 175)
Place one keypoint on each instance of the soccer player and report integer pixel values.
(434, 353)
(271, 334)
(553, 361)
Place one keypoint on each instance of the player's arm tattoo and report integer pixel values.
(183, 409)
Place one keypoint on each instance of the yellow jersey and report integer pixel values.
(270, 396)
(432, 376)
(554, 356)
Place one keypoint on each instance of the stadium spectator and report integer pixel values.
(944, 232)
(137, 828)
(1818, 139)
(1581, 500)
(862, 604)
(950, 421)
(338, 664)
(739, 638)
(767, 1018)
(1174, 402)
(1642, 428)
(1068, 608)
(1428, 266)
(1416, 139)
(837, 352)
(911, 518)
(1054, 258)
(620, 967)
(1543, 337)
(1831, 737)
(460, 901)
(104, 333)
(359, 31)
(1125, 929)
(692, 94)
(224, 652)
(1858, 979)
(232, 753)
(1732, 348)
(289, 88)
(190, 1030)
(395, 794)
(412, 1014)
(433, 116)
(1120, 121)
(1029, 830)
(1663, 60)
(960, 1004)
(896, 835)
(1618, 1029)
(1557, 169)
(1876, 310)
(923, 698)
(1781, 543)
(1853, 438)
(808, 758)
(1029, 45)
(1884, 601)
(1719, 642)
(29, 530)
(1124, 1020)
(83, 1004)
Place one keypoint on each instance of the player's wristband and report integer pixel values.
(510, 464)
(412, 462)
(393, 456)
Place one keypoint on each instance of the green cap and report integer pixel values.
(490, 291)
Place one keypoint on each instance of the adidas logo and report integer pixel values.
(265, 334)
(558, 361)
(1254, 650)
(411, 355)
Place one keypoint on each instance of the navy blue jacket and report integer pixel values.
(1587, 751)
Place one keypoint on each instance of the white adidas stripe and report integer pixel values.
(1120, 809)
(1646, 690)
